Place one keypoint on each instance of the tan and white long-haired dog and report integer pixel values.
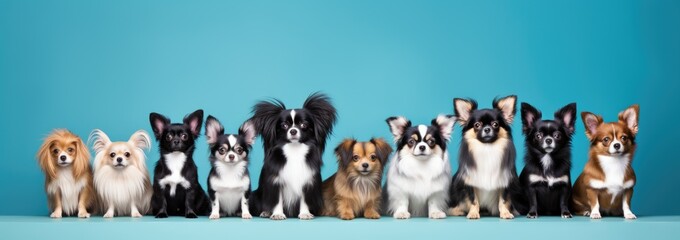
(120, 176)
(65, 160)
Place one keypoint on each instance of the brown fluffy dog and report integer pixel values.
(68, 176)
(606, 185)
(355, 188)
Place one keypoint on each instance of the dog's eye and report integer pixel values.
(430, 142)
(239, 150)
(168, 137)
(478, 125)
(605, 140)
(55, 151)
(539, 136)
(494, 124)
(183, 136)
(127, 154)
(373, 158)
(624, 138)
(303, 125)
(411, 142)
(355, 158)
(70, 150)
(221, 151)
(557, 135)
(112, 155)
(285, 126)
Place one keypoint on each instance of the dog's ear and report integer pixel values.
(247, 130)
(213, 129)
(630, 117)
(591, 122)
(445, 125)
(44, 156)
(463, 109)
(567, 115)
(140, 139)
(194, 122)
(265, 119)
(81, 163)
(507, 106)
(99, 140)
(382, 149)
(398, 126)
(529, 117)
(323, 114)
(158, 123)
(344, 152)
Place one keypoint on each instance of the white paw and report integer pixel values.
(595, 215)
(402, 215)
(83, 214)
(629, 216)
(507, 215)
(214, 216)
(108, 214)
(306, 216)
(246, 216)
(55, 214)
(278, 216)
(473, 215)
(437, 215)
(136, 215)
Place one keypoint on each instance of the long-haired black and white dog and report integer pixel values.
(176, 191)
(545, 178)
(486, 177)
(294, 141)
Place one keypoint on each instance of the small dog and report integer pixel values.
(355, 188)
(65, 160)
(176, 190)
(606, 185)
(486, 175)
(546, 179)
(294, 141)
(419, 174)
(229, 181)
(120, 176)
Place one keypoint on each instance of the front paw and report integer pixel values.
(595, 215)
(56, 214)
(214, 216)
(629, 216)
(108, 214)
(306, 216)
(278, 216)
(265, 214)
(190, 214)
(532, 215)
(507, 215)
(347, 215)
(437, 215)
(83, 214)
(162, 215)
(402, 215)
(371, 215)
(473, 215)
(566, 214)
(136, 214)
(246, 216)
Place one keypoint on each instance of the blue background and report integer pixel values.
(91, 64)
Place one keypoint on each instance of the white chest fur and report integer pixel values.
(550, 180)
(69, 189)
(488, 172)
(229, 185)
(296, 174)
(175, 162)
(614, 169)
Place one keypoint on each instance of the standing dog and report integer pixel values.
(606, 185)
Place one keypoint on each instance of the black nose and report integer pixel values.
(548, 141)
(231, 157)
(175, 142)
(119, 160)
(62, 157)
(617, 146)
(365, 165)
(422, 148)
(487, 130)
(293, 132)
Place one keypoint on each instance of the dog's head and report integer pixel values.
(229, 148)
(614, 138)
(176, 137)
(120, 155)
(547, 136)
(421, 141)
(362, 158)
(486, 125)
(63, 149)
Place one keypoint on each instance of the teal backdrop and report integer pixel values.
(107, 64)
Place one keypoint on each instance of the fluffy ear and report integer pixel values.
(324, 115)
(398, 126)
(567, 115)
(247, 130)
(445, 125)
(81, 164)
(507, 106)
(44, 157)
(99, 140)
(463, 109)
(194, 121)
(158, 123)
(591, 122)
(265, 119)
(213, 129)
(140, 139)
(529, 117)
(344, 152)
(382, 149)
(630, 117)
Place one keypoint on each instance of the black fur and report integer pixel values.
(177, 137)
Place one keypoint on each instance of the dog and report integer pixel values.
(486, 176)
(546, 179)
(229, 181)
(419, 173)
(121, 179)
(293, 141)
(65, 160)
(605, 187)
(176, 191)
(355, 188)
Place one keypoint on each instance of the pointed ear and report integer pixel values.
(529, 117)
(81, 164)
(194, 121)
(99, 140)
(567, 115)
(213, 129)
(382, 149)
(591, 122)
(445, 125)
(630, 117)
(345, 151)
(463, 109)
(140, 139)
(398, 126)
(507, 106)
(158, 123)
(247, 130)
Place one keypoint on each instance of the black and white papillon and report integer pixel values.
(294, 141)
(229, 180)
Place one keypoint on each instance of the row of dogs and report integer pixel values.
(418, 180)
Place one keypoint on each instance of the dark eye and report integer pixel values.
(605, 140)
(285, 126)
(70, 150)
(557, 135)
(127, 154)
(624, 138)
(55, 151)
(539, 136)
(239, 150)
(221, 150)
(184, 136)
(168, 137)
(494, 124)
(112, 155)
(430, 142)
(373, 158)
(355, 158)
(303, 125)
(478, 125)
(411, 142)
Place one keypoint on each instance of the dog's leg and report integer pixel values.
(345, 211)
(460, 209)
(473, 212)
(434, 205)
(399, 202)
(504, 206)
(189, 201)
(564, 202)
(245, 212)
(215, 212)
(57, 205)
(277, 212)
(304, 210)
(83, 200)
(627, 196)
(110, 212)
(159, 204)
(134, 212)
(371, 209)
(533, 205)
(593, 202)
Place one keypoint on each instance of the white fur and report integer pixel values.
(295, 174)
(229, 185)
(548, 179)
(121, 188)
(614, 168)
(69, 189)
(546, 161)
(175, 162)
(488, 173)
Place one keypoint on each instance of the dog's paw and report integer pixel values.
(190, 214)
(265, 214)
(214, 216)
(55, 214)
(246, 216)
(402, 215)
(83, 214)
(629, 216)
(566, 214)
(506, 215)
(347, 216)
(278, 216)
(162, 215)
(108, 214)
(473, 215)
(437, 215)
(532, 215)
(595, 215)
(371, 215)
(306, 216)
(456, 211)
(136, 215)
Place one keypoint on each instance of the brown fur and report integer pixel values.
(63, 140)
(584, 196)
(341, 192)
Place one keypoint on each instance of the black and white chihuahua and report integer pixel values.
(486, 178)
(294, 141)
(176, 191)
(229, 181)
(546, 179)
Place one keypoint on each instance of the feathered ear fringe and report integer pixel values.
(324, 115)
(265, 115)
